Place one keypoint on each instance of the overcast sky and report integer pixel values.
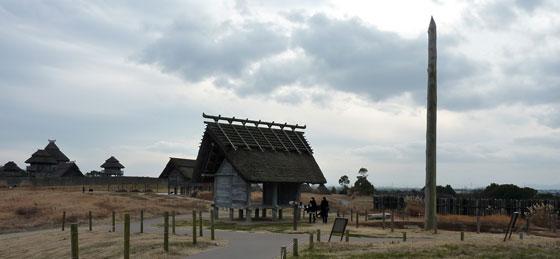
(132, 78)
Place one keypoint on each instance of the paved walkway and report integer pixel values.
(240, 244)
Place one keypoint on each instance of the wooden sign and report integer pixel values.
(339, 226)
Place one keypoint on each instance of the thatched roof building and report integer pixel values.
(12, 170)
(236, 153)
(180, 167)
(41, 156)
(179, 173)
(55, 152)
(112, 167)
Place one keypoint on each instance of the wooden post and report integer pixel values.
(430, 221)
(383, 219)
(194, 227)
(63, 219)
(357, 219)
(351, 215)
(126, 236)
(295, 251)
(248, 217)
(74, 241)
(462, 235)
(310, 240)
(264, 213)
(392, 220)
(347, 236)
(141, 221)
(211, 224)
(527, 223)
(279, 213)
(166, 231)
(365, 216)
(231, 214)
(113, 220)
(173, 222)
(318, 235)
(89, 216)
(200, 222)
(294, 220)
(283, 252)
(404, 236)
(477, 216)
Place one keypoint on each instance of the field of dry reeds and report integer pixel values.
(34, 208)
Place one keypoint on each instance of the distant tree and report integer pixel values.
(344, 181)
(363, 187)
(363, 172)
(333, 190)
(508, 191)
(444, 191)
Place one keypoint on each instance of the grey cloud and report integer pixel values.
(345, 55)
(196, 50)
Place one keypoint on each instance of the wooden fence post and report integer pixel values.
(166, 231)
(392, 220)
(365, 218)
(74, 241)
(478, 216)
(462, 235)
(126, 236)
(63, 219)
(211, 224)
(173, 222)
(89, 214)
(310, 240)
(347, 236)
(357, 219)
(294, 220)
(113, 221)
(295, 251)
(141, 221)
(383, 219)
(404, 236)
(194, 227)
(318, 235)
(351, 215)
(200, 222)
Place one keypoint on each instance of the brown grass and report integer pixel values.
(31, 208)
(97, 244)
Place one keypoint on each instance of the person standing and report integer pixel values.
(313, 209)
(324, 209)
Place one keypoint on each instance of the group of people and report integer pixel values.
(315, 211)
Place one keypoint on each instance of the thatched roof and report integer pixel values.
(68, 169)
(41, 156)
(11, 169)
(184, 166)
(263, 154)
(55, 152)
(112, 163)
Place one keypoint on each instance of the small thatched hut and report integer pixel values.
(235, 154)
(179, 174)
(112, 167)
(11, 169)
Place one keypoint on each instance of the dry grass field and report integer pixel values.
(97, 244)
(29, 208)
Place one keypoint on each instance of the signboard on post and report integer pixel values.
(339, 227)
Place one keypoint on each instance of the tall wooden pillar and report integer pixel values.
(430, 221)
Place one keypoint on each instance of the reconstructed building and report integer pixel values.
(112, 167)
(51, 162)
(179, 174)
(11, 169)
(237, 154)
